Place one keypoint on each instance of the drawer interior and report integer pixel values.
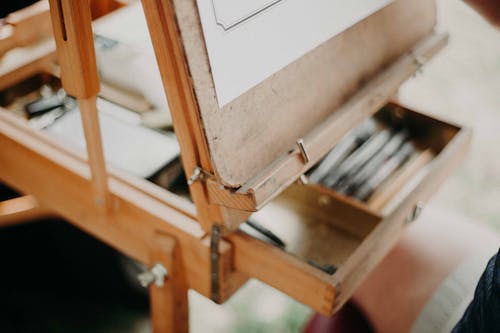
(118, 122)
(343, 238)
(319, 224)
(15, 97)
(322, 232)
(428, 137)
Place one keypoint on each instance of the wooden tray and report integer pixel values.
(340, 231)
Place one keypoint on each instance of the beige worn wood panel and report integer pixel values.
(252, 131)
(308, 234)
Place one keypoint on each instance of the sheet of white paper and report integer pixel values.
(249, 40)
(135, 149)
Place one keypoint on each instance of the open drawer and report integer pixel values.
(326, 232)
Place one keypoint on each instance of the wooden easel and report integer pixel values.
(132, 215)
(197, 245)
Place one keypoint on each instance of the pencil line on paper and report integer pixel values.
(229, 26)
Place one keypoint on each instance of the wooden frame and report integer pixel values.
(142, 211)
(155, 226)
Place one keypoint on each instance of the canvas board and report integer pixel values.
(251, 132)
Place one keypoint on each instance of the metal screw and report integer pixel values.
(324, 200)
(156, 275)
(195, 176)
(415, 213)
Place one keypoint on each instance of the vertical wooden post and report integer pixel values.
(164, 33)
(71, 21)
(169, 304)
(95, 152)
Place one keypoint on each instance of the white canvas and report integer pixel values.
(250, 40)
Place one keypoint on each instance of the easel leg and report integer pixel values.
(169, 304)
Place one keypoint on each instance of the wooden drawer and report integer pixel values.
(322, 227)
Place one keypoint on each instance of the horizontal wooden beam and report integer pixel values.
(285, 272)
(61, 182)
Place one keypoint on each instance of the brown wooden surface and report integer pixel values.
(353, 239)
(345, 214)
(25, 27)
(288, 168)
(140, 211)
(169, 304)
(95, 152)
(158, 211)
(100, 8)
(74, 39)
(169, 52)
(248, 134)
(284, 272)
(75, 47)
(21, 210)
(61, 182)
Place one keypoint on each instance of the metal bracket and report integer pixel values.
(214, 262)
(419, 61)
(199, 174)
(415, 213)
(303, 151)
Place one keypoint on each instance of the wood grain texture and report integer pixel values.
(284, 272)
(95, 152)
(62, 183)
(164, 32)
(145, 187)
(142, 215)
(169, 304)
(74, 39)
(22, 210)
(341, 232)
(248, 134)
(345, 214)
(75, 47)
